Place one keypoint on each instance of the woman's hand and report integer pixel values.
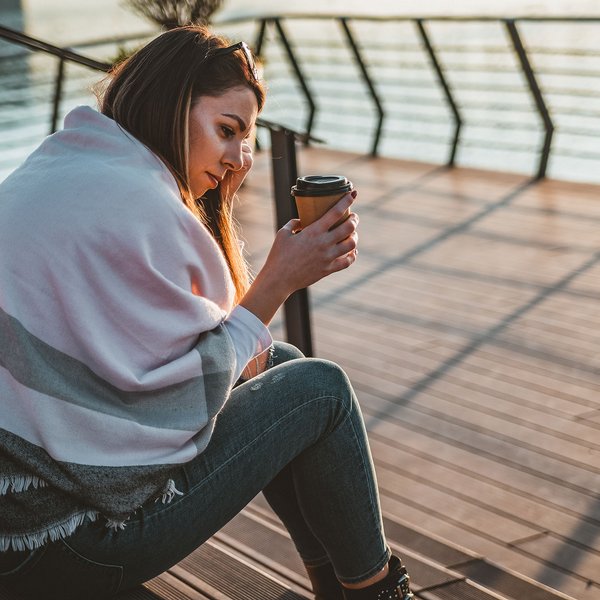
(303, 256)
(300, 257)
(234, 179)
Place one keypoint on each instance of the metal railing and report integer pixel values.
(423, 92)
(362, 51)
(429, 48)
(62, 54)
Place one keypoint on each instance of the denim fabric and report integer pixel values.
(297, 434)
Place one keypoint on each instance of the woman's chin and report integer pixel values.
(199, 190)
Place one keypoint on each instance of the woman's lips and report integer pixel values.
(214, 180)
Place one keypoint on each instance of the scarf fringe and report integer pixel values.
(20, 483)
(59, 531)
(116, 525)
(169, 493)
(32, 541)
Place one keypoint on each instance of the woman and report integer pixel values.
(142, 401)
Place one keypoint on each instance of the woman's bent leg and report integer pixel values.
(303, 414)
(337, 494)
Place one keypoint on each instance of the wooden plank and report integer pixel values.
(481, 521)
(561, 197)
(163, 587)
(429, 208)
(564, 553)
(478, 373)
(544, 493)
(481, 439)
(424, 573)
(475, 183)
(504, 400)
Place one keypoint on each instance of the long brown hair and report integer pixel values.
(150, 95)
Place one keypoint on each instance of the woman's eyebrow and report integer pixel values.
(240, 122)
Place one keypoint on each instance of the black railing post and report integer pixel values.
(260, 37)
(301, 79)
(259, 44)
(435, 63)
(58, 84)
(285, 171)
(536, 92)
(367, 78)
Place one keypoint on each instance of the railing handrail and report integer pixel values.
(37, 45)
(62, 53)
(261, 15)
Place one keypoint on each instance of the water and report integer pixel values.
(501, 131)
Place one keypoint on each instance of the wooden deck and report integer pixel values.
(470, 327)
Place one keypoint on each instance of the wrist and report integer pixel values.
(264, 297)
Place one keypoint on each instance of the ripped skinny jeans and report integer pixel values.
(295, 433)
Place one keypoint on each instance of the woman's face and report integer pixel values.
(218, 126)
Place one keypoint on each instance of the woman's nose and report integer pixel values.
(233, 158)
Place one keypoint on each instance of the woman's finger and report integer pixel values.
(345, 229)
(347, 245)
(336, 212)
(342, 262)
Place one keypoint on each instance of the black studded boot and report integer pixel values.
(325, 584)
(395, 586)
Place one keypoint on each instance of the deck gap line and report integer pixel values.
(529, 538)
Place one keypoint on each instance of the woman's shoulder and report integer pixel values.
(94, 180)
(109, 155)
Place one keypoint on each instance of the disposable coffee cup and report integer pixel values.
(316, 194)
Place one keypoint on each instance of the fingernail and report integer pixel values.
(354, 193)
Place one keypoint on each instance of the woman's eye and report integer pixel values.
(227, 131)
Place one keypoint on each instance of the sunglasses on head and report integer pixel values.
(239, 46)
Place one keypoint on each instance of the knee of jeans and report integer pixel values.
(331, 379)
(284, 352)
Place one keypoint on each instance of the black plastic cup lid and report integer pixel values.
(321, 185)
